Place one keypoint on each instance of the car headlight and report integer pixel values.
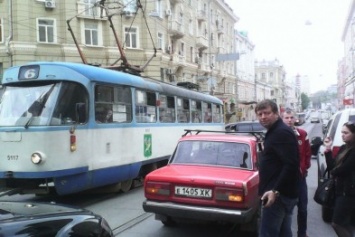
(37, 158)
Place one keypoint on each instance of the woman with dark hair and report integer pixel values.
(342, 168)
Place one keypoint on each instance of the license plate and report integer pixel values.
(193, 192)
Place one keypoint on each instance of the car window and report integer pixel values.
(243, 127)
(258, 127)
(351, 117)
(214, 153)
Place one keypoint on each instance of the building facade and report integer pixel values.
(175, 41)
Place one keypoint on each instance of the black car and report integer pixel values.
(47, 219)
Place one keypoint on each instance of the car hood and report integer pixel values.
(9, 210)
(201, 174)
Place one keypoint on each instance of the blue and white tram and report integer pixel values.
(75, 127)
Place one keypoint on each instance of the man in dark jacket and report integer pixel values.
(279, 172)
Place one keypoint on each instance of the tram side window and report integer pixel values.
(72, 97)
(145, 107)
(216, 113)
(113, 104)
(207, 112)
(196, 111)
(167, 109)
(183, 110)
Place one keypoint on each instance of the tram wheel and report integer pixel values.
(126, 185)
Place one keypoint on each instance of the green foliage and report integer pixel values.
(304, 101)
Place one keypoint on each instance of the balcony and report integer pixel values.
(202, 42)
(221, 49)
(220, 29)
(204, 67)
(87, 11)
(201, 15)
(176, 29)
(221, 73)
(179, 60)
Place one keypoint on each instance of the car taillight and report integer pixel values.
(335, 151)
(157, 188)
(232, 195)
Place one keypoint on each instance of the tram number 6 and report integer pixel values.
(12, 157)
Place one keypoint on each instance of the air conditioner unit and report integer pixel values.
(49, 4)
(168, 12)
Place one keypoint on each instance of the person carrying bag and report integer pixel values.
(342, 170)
(325, 192)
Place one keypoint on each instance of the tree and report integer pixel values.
(304, 101)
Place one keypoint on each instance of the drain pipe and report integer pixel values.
(9, 38)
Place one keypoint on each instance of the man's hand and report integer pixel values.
(268, 198)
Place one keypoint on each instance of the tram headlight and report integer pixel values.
(37, 158)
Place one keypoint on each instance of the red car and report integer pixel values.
(210, 176)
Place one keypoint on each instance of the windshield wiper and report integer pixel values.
(37, 106)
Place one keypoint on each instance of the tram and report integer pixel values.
(73, 127)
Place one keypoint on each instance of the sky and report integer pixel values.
(304, 35)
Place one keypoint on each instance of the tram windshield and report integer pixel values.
(40, 105)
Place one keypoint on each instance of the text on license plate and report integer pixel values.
(193, 192)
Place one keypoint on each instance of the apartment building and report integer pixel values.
(270, 77)
(183, 42)
(174, 41)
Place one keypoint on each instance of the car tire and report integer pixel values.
(169, 222)
(327, 214)
(252, 228)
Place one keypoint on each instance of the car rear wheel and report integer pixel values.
(327, 214)
(252, 228)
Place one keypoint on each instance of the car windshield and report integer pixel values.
(215, 153)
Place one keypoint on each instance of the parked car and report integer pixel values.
(245, 126)
(47, 219)
(209, 177)
(333, 130)
(314, 118)
(300, 118)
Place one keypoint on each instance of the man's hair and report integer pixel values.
(265, 104)
(288, 111)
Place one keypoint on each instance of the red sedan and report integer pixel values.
(210, 176)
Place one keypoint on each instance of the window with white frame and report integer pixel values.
(1, 31)
(191, 27)
(91, 29)
(158, 7)
(131, 36)
(160, 42)
(90, 9)
(182, 49)
(46, 29)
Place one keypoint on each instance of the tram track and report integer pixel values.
(131, 223)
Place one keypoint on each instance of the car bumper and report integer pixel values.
(200, 213)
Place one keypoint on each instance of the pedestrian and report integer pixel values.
(279, 172)
(288, 116)
(342, 169)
